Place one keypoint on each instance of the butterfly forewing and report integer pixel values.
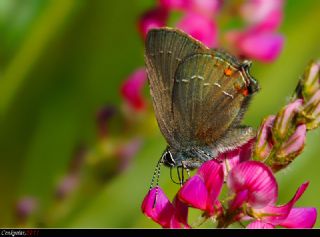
(206, 98)
(165, 49)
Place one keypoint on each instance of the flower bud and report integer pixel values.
(264, 142)
(25, 207)
(132, 87)
(290, 149)
(284, 121)
(310, 82)
(311, 112)
(66, 186)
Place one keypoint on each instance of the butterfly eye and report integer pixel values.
(246, 64)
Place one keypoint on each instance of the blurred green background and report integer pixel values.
(61, 60)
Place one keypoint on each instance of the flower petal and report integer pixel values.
(232, 158)
(277, 214)
(213, 177)
(256, 44)
(303, 217)
(131, 89)
(194, 193)
(161, 210)
(262, 46)
(259, 225)
(258, 179)
(204, 7)
(239, 199)
(174, 4)
(153, 18)
(272, 22)
(256, 12)
(180, 217)
(200, 27)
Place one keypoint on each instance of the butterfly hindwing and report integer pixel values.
(207, 99)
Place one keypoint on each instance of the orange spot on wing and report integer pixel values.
(228, 72)
(245, 92)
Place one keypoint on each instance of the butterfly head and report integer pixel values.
(252, 85)
(167, 158)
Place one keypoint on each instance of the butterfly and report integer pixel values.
(199, 96)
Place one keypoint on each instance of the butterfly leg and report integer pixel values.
(185, 168)
(156, 175)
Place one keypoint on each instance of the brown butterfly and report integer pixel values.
(199, 97)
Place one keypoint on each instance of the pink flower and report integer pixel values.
(259, 40)
(286, 215)
(202, 190)
(162, 211)
(131, 89)
(153, 18)
(200, 27)
(257, 11)
(253, 184)
(259, 225)
(204, 7)
(232, 158)
(256, 44)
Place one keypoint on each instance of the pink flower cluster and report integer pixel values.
(253, 194)
(279, 130)
(197, 19)
(281, 138)
(258, 40)
(253, 189)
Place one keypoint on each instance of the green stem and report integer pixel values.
(43, 30)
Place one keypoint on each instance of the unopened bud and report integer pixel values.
(290, 149)
(264, 142)
(310, 114)
(66, 186)
(284, 120)
(310, 82)
(25, 207)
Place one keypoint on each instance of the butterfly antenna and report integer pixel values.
(154, 175)
(157, 175)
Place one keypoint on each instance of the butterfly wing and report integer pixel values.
(165, 49)
(210, 95)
